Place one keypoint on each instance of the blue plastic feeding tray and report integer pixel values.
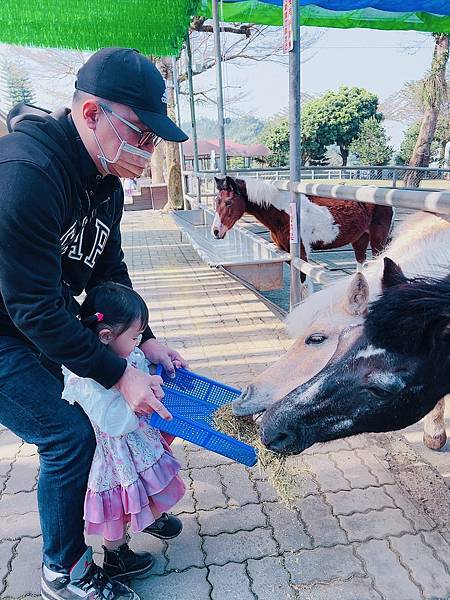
(192, 401)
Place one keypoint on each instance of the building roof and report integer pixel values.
(205, 147)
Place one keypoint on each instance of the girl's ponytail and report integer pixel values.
(92, 320)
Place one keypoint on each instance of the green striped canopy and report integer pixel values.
(158, 27)
(155, 27)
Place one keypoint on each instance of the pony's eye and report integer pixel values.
(228, 203)
(315, 338)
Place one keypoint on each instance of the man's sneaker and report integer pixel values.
(123, 562)
(86, 580)
(166, 527)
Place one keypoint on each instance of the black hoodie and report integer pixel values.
(59, 235)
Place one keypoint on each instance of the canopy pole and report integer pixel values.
(192, 111)
(176, 97)
(295, 151)
(219, 86)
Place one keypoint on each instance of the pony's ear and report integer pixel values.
(392, 274)
(357, 297)
(220, 183)
(230, 184)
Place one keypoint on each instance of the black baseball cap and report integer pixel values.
(125, 76)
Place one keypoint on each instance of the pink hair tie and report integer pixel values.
(99, 316)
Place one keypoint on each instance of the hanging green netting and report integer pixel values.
(155, 27)
(417, 15)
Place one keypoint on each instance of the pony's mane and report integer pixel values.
(418, 312)
(421, 246)
(265, 194)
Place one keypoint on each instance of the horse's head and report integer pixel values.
(324, 325)
(230, 205)
(373, 388)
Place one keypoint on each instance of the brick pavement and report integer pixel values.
(355, 532)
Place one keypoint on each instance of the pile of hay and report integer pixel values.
(283, 473)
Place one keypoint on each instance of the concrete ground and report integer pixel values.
(371, 517)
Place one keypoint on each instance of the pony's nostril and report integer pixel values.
(216, 232)
(246, 393)
(277, 441)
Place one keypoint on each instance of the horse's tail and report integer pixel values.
(381, 227)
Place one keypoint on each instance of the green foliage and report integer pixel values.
(407, 146)
(371, 146)
(275, 136)
(244, 130)
(17, 84)
(206, 128)
(336, 118)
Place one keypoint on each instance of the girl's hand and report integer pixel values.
(158, 353)
(143, 392)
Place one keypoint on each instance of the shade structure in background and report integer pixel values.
(154, 27)
(158, 27)
(418, 15)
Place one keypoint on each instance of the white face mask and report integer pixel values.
(124, 148)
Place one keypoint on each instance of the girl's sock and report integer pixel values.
(114, 544)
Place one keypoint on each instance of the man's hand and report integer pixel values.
(158, 353)
(143, 392)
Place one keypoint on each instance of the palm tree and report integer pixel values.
(434, 94)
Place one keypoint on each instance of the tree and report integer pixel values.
(245, 129)
(410, 139)
(371, 146)
(17, 84)
(434, 94)
(407, 146)
(275, 136)
(336, 117)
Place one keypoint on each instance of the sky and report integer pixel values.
(379, 61)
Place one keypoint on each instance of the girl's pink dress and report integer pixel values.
(134, 473)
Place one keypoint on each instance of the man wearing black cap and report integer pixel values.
(60, 208)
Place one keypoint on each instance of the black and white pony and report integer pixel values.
(392, 370)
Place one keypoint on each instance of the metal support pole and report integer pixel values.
(219, 86)
(295, 150)
(192, 109)
(176, 97)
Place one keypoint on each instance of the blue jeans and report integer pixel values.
(31, 406)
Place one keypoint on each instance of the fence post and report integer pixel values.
(394, 178)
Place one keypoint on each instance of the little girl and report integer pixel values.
(134, 476)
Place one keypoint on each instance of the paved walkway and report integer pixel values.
(369, 523)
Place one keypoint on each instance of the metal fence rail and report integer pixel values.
(202, 185)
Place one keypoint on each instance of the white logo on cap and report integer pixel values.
(164, 97)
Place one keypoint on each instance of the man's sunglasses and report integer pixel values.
(146, 137)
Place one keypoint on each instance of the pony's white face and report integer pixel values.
(325, 336)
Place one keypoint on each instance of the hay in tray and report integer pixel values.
(284, 473)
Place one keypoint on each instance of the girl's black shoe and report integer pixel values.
(124, 563)
(166, 527)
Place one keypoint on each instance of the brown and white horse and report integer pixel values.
(326, 321)
(326, 223)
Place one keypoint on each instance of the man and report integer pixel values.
(61, 205)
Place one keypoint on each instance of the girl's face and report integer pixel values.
(124, 343)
